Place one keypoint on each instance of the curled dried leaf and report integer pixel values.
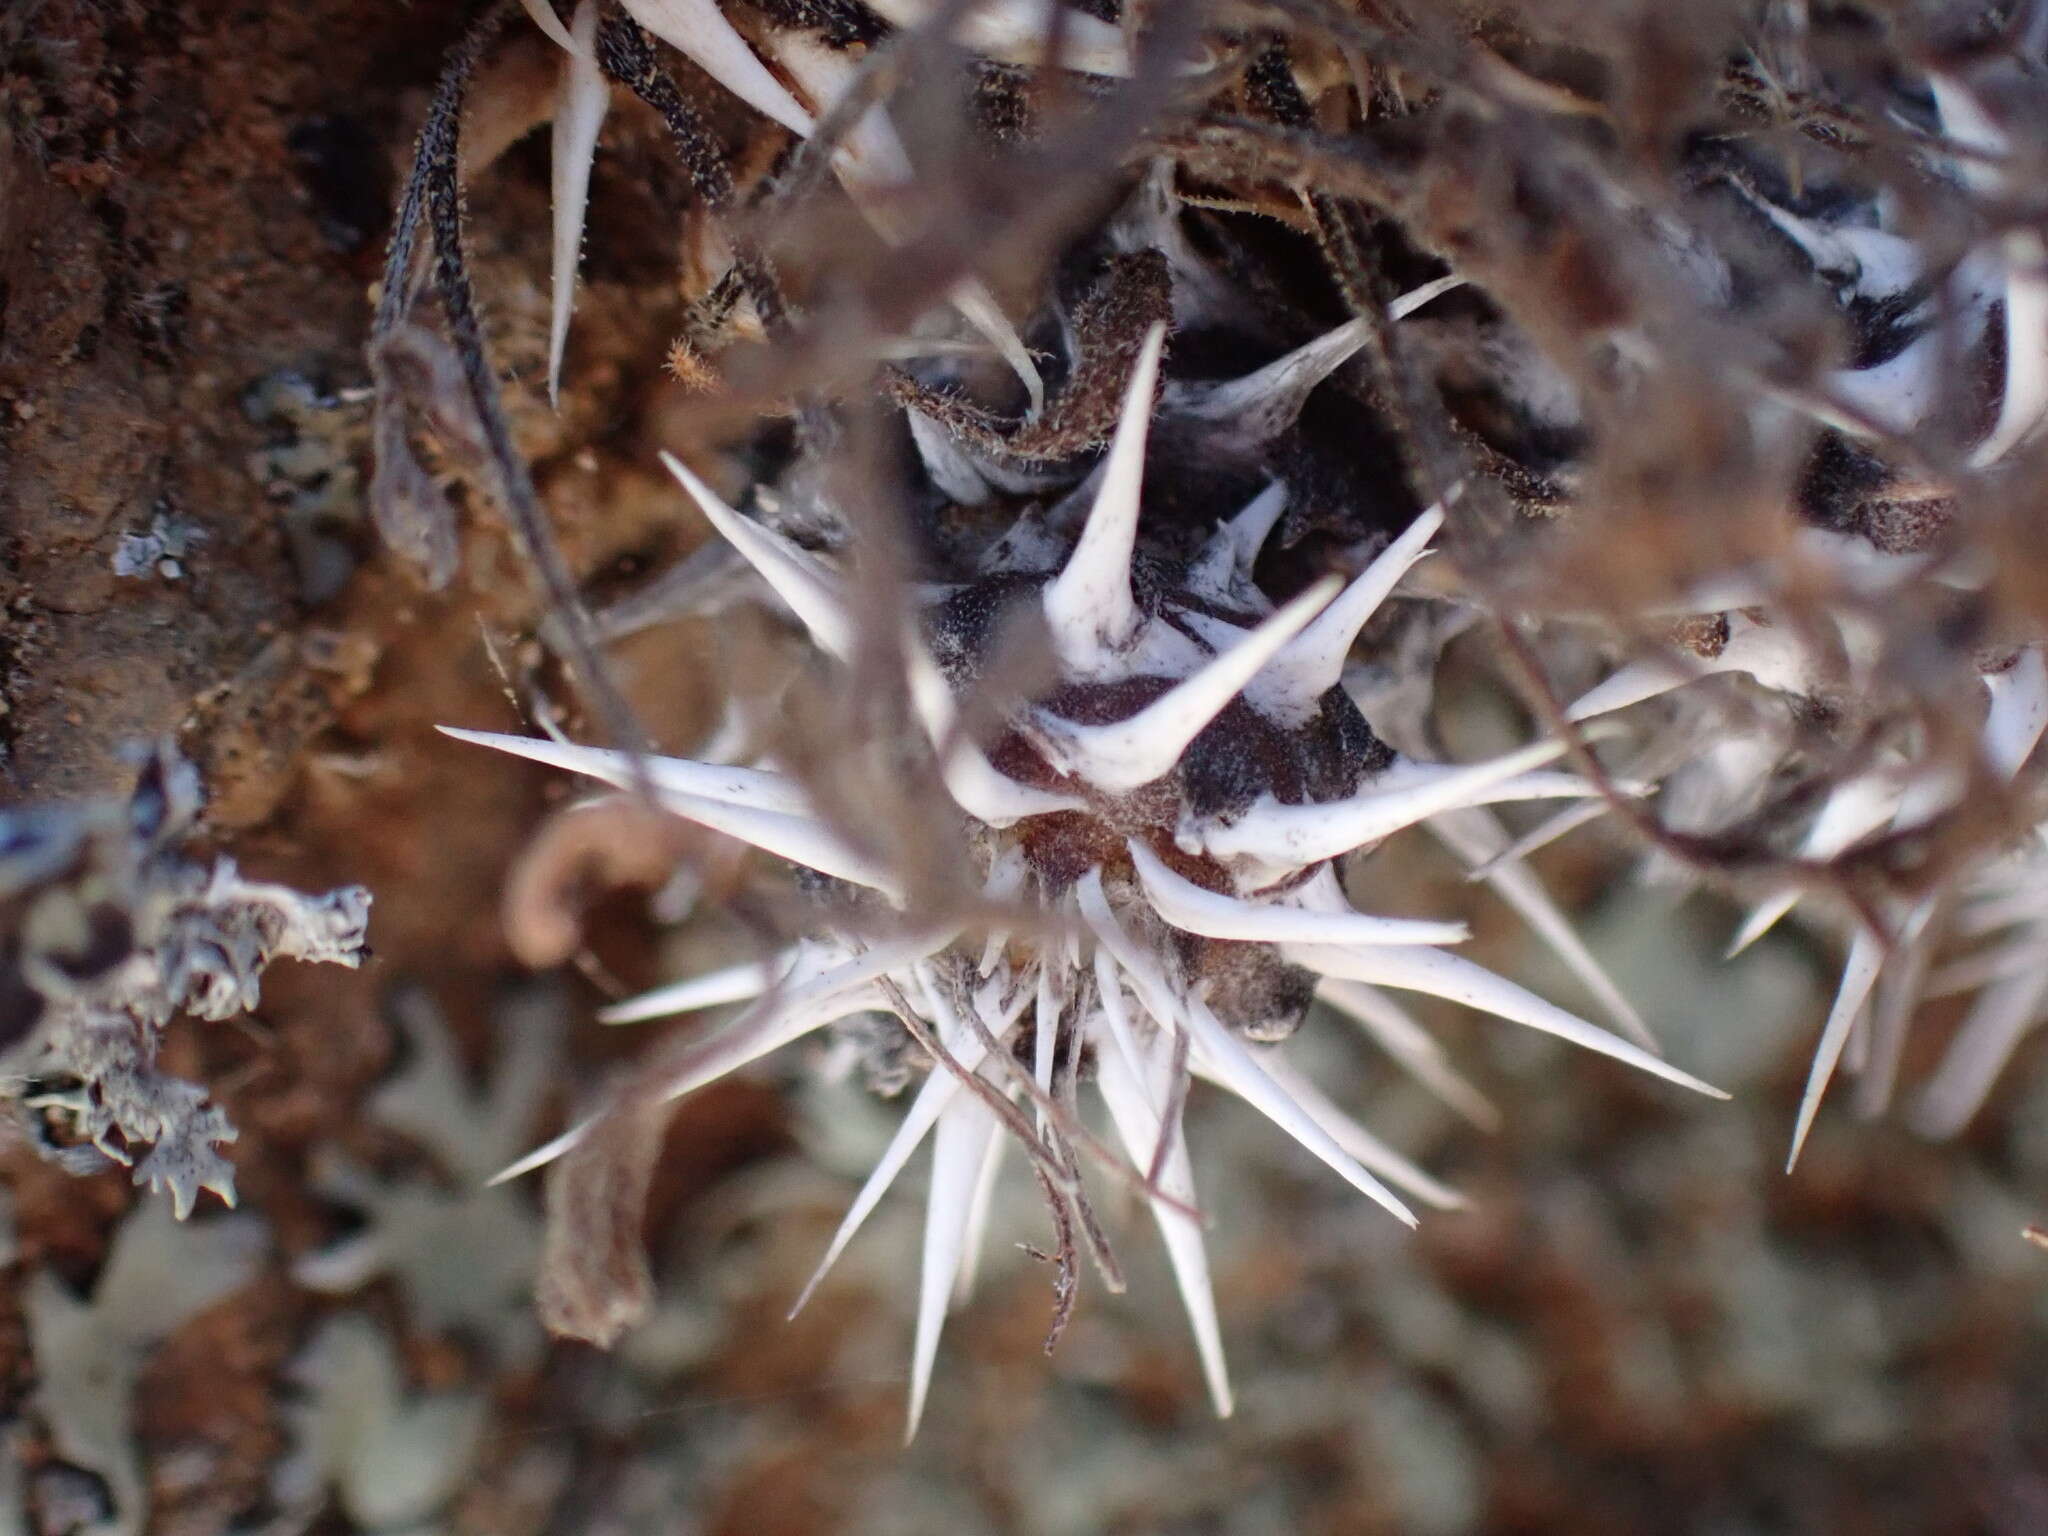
(582, 852)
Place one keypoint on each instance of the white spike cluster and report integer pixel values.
(1882, 973)
(1280, 666)
(1145, 746)
(870, 162)
(1897, 795)
(1834, 644)
(1107, 987)
(1803, 649)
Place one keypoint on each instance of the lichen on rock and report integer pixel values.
(109, 931)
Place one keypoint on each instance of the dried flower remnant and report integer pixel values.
(110, 933)
(1155, 836)
(1797, 314)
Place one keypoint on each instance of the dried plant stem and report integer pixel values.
(434, 195)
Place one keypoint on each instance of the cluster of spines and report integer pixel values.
(1103, 980)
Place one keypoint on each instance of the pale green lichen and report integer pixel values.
(463, 1253)
(159, 1274)
(392, 1458)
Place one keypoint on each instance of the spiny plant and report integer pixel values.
(1168, 812)
(1741, 381)
(1827, 629)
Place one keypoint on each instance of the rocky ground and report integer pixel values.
(1640, 1324)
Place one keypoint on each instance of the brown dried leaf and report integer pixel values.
(594, 1281)
(581, 853)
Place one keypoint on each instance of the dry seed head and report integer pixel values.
(1167, 813)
